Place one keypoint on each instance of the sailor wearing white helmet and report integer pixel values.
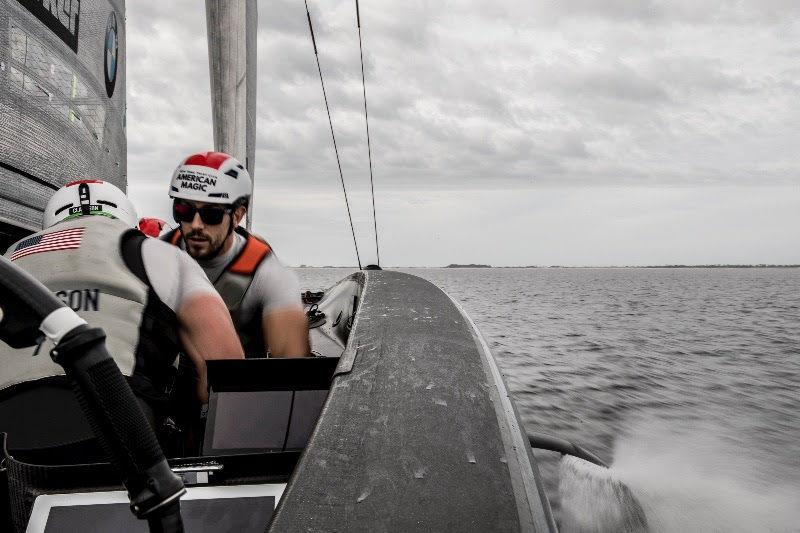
(211, 193)
(90, 256)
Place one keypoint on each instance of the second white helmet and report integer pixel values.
(89, 197)
(212, 177)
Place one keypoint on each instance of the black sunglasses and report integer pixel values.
(209, 214)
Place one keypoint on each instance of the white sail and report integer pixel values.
(62, 103)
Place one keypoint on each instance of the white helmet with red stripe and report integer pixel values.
(89, 197)
(212, 177)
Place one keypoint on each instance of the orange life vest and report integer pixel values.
(232, 285)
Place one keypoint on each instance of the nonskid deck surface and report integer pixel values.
(413, 436)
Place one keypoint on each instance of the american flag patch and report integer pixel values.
(66, 239)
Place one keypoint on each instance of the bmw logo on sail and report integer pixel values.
(112, 49)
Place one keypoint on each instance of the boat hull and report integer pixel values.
(419, 432)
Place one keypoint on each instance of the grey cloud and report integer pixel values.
(617, 82)
(674, 11)
(470, 95)
(559, 103)
(282, 16)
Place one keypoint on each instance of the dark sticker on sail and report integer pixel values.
(62, 17)
(111, 54)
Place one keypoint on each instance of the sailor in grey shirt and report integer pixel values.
(211, 193)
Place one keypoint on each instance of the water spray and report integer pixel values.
(592, 499)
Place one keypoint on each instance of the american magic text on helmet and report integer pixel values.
(198, 182)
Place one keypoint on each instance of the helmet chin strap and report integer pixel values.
(230, 228)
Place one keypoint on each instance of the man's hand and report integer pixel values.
(286, 333)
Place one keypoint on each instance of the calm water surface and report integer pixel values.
(687, 380)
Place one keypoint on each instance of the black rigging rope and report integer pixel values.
(366, 120)
(333, 136)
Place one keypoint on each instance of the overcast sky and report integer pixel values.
(510, 132)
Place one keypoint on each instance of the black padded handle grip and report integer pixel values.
(117, 420)
(25, 303)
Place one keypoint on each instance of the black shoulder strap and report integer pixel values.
(172, 237)
(158, 343)
(131, 248)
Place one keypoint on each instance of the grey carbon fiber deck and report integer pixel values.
(416, 436)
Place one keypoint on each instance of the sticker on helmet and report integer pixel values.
(93, 209)
(196, 181)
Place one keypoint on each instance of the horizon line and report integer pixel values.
(475, 266)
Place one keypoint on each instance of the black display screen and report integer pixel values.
(255, 421)
(199, 516)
